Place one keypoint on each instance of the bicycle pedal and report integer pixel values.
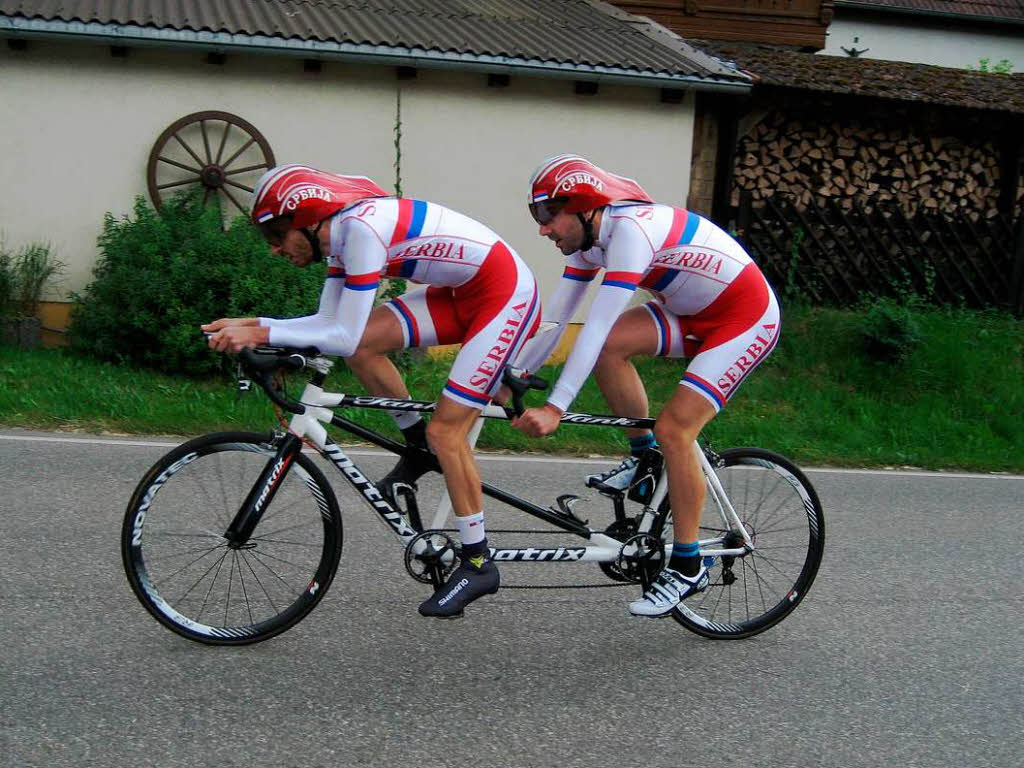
(565, 503)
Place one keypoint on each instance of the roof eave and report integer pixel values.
(1001, 109)
(130, 34)
(889, 9)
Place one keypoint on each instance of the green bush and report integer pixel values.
(163, 273)
(888, 330)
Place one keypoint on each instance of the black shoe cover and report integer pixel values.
(465, 585)
(407, 471)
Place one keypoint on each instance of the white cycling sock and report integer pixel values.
(471, 528)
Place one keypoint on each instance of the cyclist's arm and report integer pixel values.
(229, 322)
(559, 309)
(628, 257)
(346, 301)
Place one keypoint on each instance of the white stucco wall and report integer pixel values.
(474, 148)
(914, 39)
(79, 125)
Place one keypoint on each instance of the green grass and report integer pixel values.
(956, 402)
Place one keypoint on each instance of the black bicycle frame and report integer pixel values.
(262, 363)
(558, 520)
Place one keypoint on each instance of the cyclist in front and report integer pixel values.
(480, 294)
(711, 304)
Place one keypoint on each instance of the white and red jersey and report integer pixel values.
(412, 239)
(683, 259)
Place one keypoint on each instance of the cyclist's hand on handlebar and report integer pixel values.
(538, 422)
(227, 322)
(235, 338)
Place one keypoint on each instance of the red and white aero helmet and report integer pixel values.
(579, 185)
(306, 194)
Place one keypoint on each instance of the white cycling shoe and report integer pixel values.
(618, 479)
(667, 591)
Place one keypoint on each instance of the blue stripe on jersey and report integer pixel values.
(467, 394)
(410, 326)
(361, 286)
(692, 222)
(620, 284)
(664, 280)
(693, 381)
(659, 320)
(419, 215)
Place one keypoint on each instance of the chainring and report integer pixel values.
(431, 557)
(641, 558)
(620, 530)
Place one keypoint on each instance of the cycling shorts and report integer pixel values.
(492, 316)
(726, 341)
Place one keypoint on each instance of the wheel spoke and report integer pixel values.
(760, 582)
(202, 576)
(188, 149)
(196, 180)
(172, 575)
(206, 140)
(232, 199)
(260, 582)
(167, 556)
(230, 160)
(239, 186)
(259, 557)
(175, 163)
(247, 169)
(223, 139)
(226, 514)
(245, 592)
(295, 526)
(213, 581)
(227, 602)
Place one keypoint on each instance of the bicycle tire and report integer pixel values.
(783, 514)
(175, 555)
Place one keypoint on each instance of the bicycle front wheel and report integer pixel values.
(182, 568)
(782, 514)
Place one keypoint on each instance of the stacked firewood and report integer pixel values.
(821, 161)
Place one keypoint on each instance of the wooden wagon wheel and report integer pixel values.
(220, 151)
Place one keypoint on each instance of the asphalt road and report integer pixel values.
(908, 650)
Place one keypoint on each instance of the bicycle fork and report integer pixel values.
(262, 493)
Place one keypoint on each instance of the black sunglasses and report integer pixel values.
(544, 211)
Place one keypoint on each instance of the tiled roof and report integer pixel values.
(897, 80)
(983, 10)
(581, 34)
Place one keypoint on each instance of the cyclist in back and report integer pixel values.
(480, 294)
(711, 304)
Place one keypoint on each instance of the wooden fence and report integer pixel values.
(838, 253)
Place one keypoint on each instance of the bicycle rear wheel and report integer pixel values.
(781, 512)
(180, 565)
